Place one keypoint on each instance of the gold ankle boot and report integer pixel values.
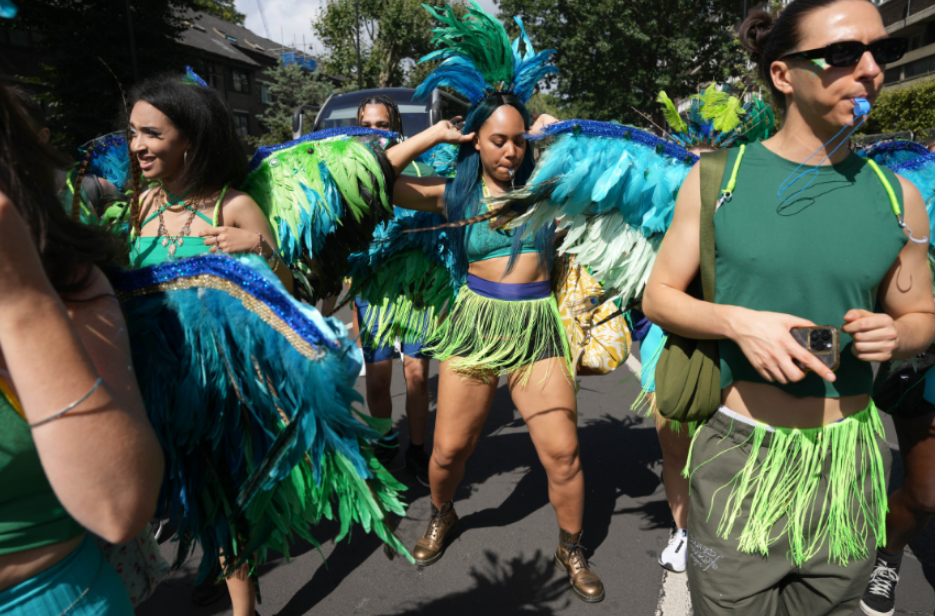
(441, 528)
(569, 557)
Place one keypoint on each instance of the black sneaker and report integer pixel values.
(386, 449)
(880, 597)
(417, 463)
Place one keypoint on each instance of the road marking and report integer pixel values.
(633, 364)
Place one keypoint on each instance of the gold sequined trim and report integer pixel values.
(209, 281)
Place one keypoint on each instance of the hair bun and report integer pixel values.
(754, 33)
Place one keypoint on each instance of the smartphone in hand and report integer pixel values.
(822, 341)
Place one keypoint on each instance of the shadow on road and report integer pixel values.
(516, 586)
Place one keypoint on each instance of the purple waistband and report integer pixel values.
(508, 292)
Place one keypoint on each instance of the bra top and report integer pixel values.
(148, 250)
(482, 243)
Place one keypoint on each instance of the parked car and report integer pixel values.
(341, 110)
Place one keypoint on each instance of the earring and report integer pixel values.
(185, 157)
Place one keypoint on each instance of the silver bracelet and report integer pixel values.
(71, 406)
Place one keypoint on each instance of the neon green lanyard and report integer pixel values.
(728, 192)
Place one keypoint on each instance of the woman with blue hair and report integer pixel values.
(505, 320)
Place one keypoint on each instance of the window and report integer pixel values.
(240, 81)
(209, 73)
(892, 75)
(265, 96)
(919, 67)
(242, 123)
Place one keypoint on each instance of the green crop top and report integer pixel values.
(815, 256)
(30, 514)
(482, 242)
(147, 251)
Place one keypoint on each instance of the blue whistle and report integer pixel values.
(861, 107)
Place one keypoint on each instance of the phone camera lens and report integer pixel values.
(826, 335)
(814, 336)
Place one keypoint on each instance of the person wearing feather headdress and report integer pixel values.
(251, 391)
(505, 321)
(78, 456)
(788, 475)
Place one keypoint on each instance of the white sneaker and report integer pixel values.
(675, 556)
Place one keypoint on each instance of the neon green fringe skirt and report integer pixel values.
(817, 488)
(485, 336)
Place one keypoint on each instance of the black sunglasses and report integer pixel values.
(849, 53)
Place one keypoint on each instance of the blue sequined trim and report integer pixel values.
(233, 271)
(617, 131)
(100, 147)
(342, 131)
(914, 164)
(892, 146)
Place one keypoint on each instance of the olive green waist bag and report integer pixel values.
(688, 373)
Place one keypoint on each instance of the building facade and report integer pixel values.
(915, 20)
(230, 58)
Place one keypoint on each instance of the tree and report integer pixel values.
(394, 35)
(290, 86)
(911, 108)
(614, 55)
(222, 9)
(84, 98)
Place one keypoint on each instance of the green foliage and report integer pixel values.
(394, 35)
(911, 108)
(547, 103)
(84, 99)
(222, 9)
(289, 87)
(614, 55)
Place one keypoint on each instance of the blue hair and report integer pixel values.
(463, 193)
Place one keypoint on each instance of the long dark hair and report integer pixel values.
(216, 156)
(463, 193)
(768, 39)
(68, 249)
(392, 110)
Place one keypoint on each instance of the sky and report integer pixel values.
(293, 18)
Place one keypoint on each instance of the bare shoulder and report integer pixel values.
(97, 295)
(238, 203)
(913, 202)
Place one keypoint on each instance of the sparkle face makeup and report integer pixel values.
(156, 143)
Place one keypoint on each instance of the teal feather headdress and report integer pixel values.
(478, 59)
(715, 120)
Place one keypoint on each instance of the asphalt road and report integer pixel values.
(501, 562)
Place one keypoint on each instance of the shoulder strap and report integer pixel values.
(217, 207)
(713, 165)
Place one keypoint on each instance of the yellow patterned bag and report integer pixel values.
(597, 334)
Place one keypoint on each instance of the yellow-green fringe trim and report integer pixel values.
(490, 336)
(397, 318)
(785, 485)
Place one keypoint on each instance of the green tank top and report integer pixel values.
(30, 514)
(816, 256)
(147, 251)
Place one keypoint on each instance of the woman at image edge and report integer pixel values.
(820, 258)
(61, 330)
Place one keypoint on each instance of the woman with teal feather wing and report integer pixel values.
(252, 462)
(505, 320)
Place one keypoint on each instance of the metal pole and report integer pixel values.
(136, 73)
(360, 75)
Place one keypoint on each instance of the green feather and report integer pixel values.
(676, 123)
(479, 36)
(726, 116)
